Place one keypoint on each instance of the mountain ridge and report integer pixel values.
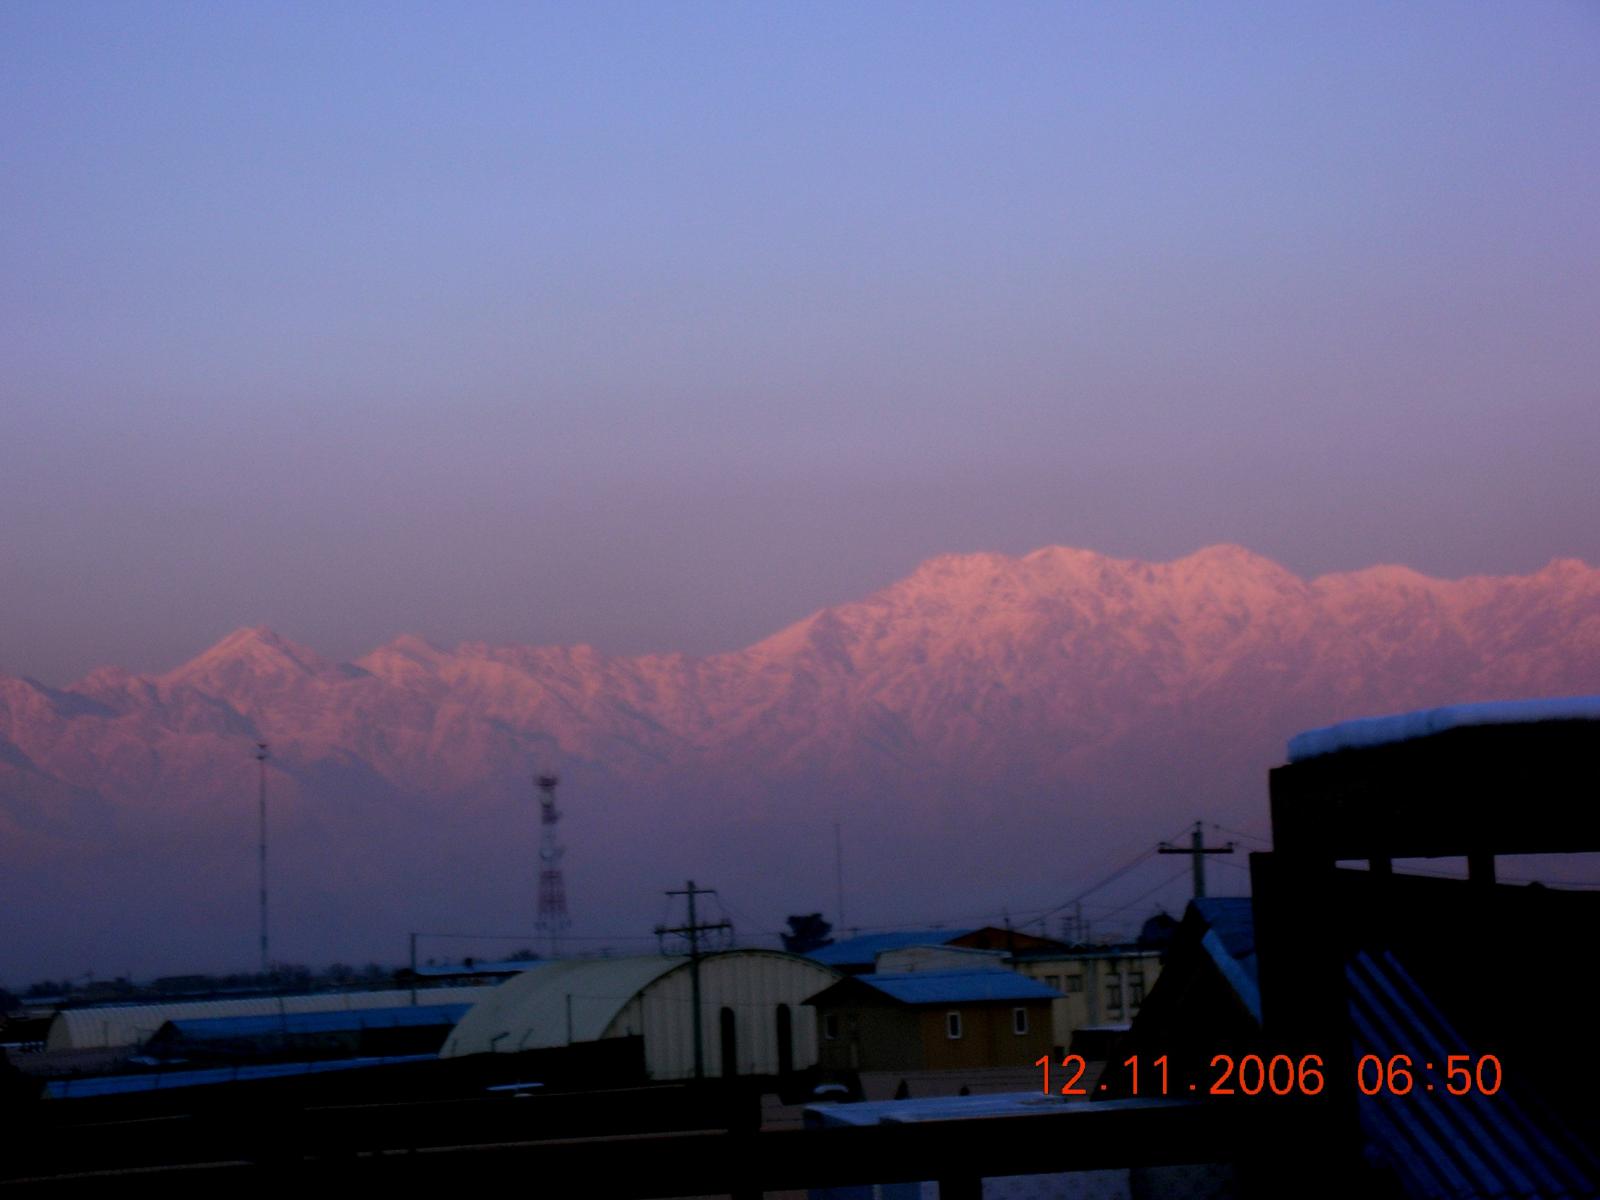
(1062, 691)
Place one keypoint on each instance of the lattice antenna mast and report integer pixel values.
(553, 919)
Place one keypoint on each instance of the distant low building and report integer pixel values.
(1095, 986)
(932, 1020)
(859, 955)
(907, 959)
(115, 1026)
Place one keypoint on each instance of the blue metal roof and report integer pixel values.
(116, 1085)
(1230, 940)
(338, 1021)
(958, 987)
(865, 948)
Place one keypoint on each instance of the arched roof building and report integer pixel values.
(750, 1014)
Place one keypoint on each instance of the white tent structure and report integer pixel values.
(751, 1018)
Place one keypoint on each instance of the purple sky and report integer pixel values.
(659, 326)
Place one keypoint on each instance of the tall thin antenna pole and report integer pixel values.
(838, 872)
(261, 805)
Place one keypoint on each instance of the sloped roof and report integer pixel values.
(949, 987)
(1230, 941)
(863, 949)
(132, 1024)
(348, 1020)
(555, 1003)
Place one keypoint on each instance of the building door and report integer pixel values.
(730, 1045)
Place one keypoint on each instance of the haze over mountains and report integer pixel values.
(991, 731)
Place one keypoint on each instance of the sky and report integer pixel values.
(660, 326)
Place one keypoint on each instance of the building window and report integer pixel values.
(952, 1025)
(1074, 983)
(830, 1026)
(1114, 996)
(1053, 981)
(1019, 1020)
(1136, 989)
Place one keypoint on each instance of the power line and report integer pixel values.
(1171, 879)
(1253, 837)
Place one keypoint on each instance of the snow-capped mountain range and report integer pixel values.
(988, 727)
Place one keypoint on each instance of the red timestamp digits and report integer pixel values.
(1397, 1075)
(1284, 1075)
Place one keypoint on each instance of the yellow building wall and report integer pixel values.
(1097, 989)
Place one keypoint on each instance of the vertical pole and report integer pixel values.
(694, 987)
(1199, 863)
(413, 969)
(692, 931)
(838, 873)
(261, 805)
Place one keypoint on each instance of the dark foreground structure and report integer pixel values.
(1343, 1033)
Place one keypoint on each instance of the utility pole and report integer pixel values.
(838, 871)
(261, 805)
(413, 968)
(1198, 849)
(692, 931)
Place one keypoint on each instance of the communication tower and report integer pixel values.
(553, 918)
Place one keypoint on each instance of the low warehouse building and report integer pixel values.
(933, 1020)
(749, 1011)
(114, 1026)
(350, 1033)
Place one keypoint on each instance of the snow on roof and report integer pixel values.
(1377, 731)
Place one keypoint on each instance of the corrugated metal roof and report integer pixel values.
(752, 985)
(958, 987)
(134, 1024)
(1442, 1145)
(864, 949)
(349, 1020)
(117, 1085)
(554, 1004)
